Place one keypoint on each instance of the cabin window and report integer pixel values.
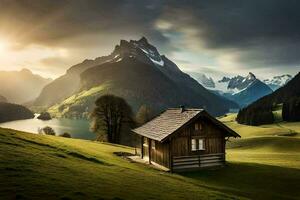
(198, 126)
(194, 144)
(201, 144)
(198, 144)
(145, 142)
(153, 144)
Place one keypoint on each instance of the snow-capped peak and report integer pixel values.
(251, 76)
(278, 81)
(141, 50)
(235, 84)
(204, 80)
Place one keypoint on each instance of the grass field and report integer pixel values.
(77, 101)
(261, 165)
(273, 144)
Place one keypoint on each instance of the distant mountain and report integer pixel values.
(260, 112)
(278, 81)
(3, 99)
(137, 72)
(255, 90)
(242, 90)
(235, 84)
(11, 112)
(207, 82)
(21, 86)
(68, 84)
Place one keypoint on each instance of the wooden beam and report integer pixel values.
(170, 156)
(149, 150)
(142, 147)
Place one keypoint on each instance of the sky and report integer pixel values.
(214, 37)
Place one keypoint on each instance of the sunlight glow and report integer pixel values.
(3, 45)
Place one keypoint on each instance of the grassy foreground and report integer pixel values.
(49, 167)
(261, 165)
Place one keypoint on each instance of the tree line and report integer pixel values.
(255, 116)
(112, 120)
(261, 111)
(291, 110)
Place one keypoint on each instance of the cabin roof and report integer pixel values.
(168, 122)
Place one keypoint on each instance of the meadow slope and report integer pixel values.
(35, 166)
(275, 144)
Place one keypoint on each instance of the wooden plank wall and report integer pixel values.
(181, 163)
(160, 154)
(212, 135)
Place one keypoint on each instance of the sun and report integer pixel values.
(3, 45)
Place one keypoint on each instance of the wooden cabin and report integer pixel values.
(184, 139)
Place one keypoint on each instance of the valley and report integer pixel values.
(149, 100)
(260, 165)
(22, 86)
(273, 144)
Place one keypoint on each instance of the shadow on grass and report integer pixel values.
(83, 157)
(255, 181)
(59, 152)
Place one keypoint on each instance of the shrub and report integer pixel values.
(48, 130)
(44, 116)
(66, 135)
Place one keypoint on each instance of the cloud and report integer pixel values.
(249, 34)
(52, 22)
(236, 35)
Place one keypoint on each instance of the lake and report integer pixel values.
(78, 128)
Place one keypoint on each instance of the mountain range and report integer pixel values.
(278, 81)
(21, 86)
(136, 71)
(286, 98)
(242, 89)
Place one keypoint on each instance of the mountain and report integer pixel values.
(242, 90)
(235, 84)
(278, 81)
(207, 82)
(3, 99)
(255, 90)
(68, 83)
(11, 112)
(137, 72)
(261, 111)
(21, 86)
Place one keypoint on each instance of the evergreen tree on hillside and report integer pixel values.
(291, 110)
(255, 116)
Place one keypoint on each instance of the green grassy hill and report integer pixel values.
(35, 166)
(78, 105)
(273, 144)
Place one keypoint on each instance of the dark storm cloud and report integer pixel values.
(53, 21)
(265, 31)
(261, 33)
